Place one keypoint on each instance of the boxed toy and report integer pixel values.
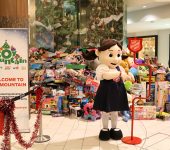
(161, 96)
(145, 112)
(146, 78)
(33, 101)
(152, 92)
(143, 93)
(167, 107)
(163, 116)
(48, 105)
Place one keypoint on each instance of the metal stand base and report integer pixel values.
(42, 138)
(131, 140)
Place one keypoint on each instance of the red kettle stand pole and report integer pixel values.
(133, 140)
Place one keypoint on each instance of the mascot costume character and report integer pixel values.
(111, 95)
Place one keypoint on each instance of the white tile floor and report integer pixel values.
(69, 133)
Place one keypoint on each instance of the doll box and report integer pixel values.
(145, 112)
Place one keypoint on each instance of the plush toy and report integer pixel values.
(89, 112)
(129, 75)
(111, 95)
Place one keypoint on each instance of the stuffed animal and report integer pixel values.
(89, 112)
(129, 75)
(111, 95)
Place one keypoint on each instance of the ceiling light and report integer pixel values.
(129, 21)
(144, 6)
(150, 18)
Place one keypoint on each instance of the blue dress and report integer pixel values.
(111, 96)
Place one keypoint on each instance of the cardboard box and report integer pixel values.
(161, 94)
(146, 78)
(145, 112)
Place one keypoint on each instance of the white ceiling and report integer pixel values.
(133, 5)
(155, 15)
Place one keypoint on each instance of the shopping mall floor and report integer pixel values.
(69, 133)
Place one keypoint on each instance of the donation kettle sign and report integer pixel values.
(135, 44)
(14, 71)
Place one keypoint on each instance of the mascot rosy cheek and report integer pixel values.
(111, 95)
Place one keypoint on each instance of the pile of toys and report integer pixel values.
(159, 99)
(67, 81)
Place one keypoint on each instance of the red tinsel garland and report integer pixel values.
(18, 135)
(7, 106)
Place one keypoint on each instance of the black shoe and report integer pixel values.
(104, 135)
(116, 134)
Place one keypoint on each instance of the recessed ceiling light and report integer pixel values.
(129, 21)
(150, 18)
(144, 6)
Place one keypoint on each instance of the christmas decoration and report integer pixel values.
(85, 22)
(55, 20)
(7, 106)
(105, 21)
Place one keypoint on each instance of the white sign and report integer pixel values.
(14, 71)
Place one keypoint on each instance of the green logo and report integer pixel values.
(9, 55)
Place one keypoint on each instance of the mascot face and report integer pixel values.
(110, 57)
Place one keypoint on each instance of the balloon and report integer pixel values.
(134, 71)
(128, 85)
(139, 61)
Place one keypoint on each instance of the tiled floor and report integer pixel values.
(69, 133)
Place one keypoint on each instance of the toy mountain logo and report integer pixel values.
(8, 55)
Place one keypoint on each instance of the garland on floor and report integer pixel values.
(7, 107)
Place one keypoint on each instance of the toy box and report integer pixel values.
(163, 116)
(167, 107)
(161, 96)
(94, 84)
(160, 77)
(48, 105)
(36, 66)
(143, 93)
(145, 112)
(146, 78)
(33, 102)
(152, 92)
(169, 94)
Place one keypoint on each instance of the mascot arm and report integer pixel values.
(124, 75)
(110, 75)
